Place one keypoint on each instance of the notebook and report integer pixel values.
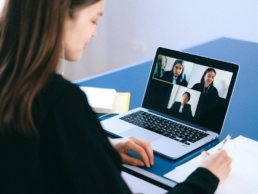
(113, 101)
(184, 106)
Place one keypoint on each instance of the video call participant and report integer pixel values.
(50, 139)
(159, 68)
(182, 109)
(206, 85)
(176, 75)
(208, 109)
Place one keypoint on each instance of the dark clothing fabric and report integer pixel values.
(72, 154)
(210, 92)
(168, 76)
(208, 100)
(209, 109)
(199, 182)
(186, 113)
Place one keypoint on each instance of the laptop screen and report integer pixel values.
(191, 89)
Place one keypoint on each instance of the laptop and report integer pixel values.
(184, 106)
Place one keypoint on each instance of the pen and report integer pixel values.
(228, 137)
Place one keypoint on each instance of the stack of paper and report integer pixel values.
(244, 174)
(104, 100)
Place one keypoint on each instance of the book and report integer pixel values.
(107, 100)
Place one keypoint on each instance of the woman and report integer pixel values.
(206, 84)
(50, 139)
(182, 109)
(159, 68)
(176, 75)
(209, 102)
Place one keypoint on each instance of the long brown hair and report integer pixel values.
(30, 48)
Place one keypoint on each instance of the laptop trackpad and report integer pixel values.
(140, 133)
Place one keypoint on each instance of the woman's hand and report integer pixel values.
(219, 164)
(141, 147)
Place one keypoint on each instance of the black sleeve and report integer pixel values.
(201, 181)
(89, 161)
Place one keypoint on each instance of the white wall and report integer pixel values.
(1, 4)
(134, 29)
(131, 30)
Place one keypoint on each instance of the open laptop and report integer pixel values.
(179, 115)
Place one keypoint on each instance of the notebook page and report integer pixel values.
(244, 174)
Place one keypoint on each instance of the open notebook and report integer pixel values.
(244, 174)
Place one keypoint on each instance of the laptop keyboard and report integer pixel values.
(165, 127)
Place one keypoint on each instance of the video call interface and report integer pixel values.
(194, 93)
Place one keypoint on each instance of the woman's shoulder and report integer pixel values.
(184, 82)
(188, 105)
(197, 86)
(60, 99)
(59, 85)
(176, 103)
(57, 89)
(57, 82)
(214, 88)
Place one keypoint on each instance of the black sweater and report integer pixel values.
(72, 153)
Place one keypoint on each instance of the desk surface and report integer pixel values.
(242, 115)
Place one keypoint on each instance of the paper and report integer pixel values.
(104, 100)
(244, 174)
(100, 99)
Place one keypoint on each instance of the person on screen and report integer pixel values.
(182, 109)
(206, 85)
(176, 75)
(51, 140)
(159, 68)
(208, 108)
